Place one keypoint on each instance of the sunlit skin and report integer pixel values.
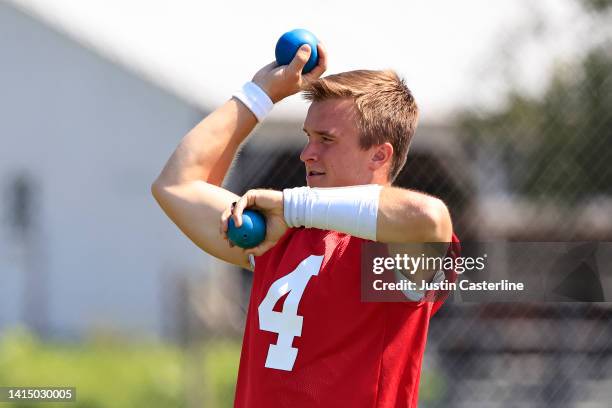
(332, 155)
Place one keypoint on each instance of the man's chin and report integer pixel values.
(315, 181)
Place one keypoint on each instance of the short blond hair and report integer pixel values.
(386, 108)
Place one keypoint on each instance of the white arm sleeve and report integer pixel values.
(352, 210)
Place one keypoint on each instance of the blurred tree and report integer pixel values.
(597, 5)
(557, 145)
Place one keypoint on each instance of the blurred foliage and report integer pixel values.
(597, 5)
(118, 375)
(559, 144)
(432, 388)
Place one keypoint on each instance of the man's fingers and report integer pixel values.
(223, 222)
(260, 249)
(237, 212)
(223, 225)
(244, 202)
(300, 59)
(321, 64)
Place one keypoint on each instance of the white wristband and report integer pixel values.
(351, 210)
(254, 98)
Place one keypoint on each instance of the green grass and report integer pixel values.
(108, 372)
(119, 373)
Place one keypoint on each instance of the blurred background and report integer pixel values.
(100, 291)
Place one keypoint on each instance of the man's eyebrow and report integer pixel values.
(319, 132)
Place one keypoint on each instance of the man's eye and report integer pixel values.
(327, 139)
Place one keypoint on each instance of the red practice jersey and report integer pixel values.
(309, 341)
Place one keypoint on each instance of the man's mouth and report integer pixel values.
(313, 173)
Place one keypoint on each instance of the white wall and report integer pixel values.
(93, 137)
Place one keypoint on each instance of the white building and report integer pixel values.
(89, 136)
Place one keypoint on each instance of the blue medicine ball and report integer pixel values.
(251, 233)
(290, 42)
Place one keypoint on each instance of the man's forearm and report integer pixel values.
(207, 151)
(383, 214)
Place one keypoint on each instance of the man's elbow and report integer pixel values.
(438, 225)
(159, 189)
(165, 197)
(156, 188)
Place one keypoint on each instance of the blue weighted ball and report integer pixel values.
(251, 233)
(290, 42)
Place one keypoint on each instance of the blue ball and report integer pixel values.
(290, 42)
(251, 233)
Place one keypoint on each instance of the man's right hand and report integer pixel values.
(282, 81)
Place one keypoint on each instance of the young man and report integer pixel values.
(309, 341)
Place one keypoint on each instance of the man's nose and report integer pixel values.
(309, 153)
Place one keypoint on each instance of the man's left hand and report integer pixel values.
(270, 204)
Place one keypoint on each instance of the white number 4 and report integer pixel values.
(286, 323)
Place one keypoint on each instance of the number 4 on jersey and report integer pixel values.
(286, 323)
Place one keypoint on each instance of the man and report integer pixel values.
(309, 341)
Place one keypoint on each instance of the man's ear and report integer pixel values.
(382, 155)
